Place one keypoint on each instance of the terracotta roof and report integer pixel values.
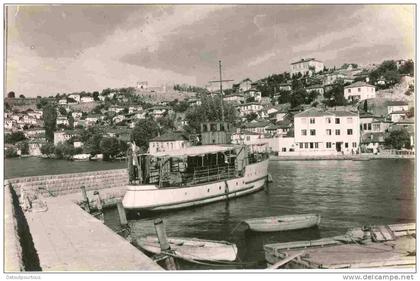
(396, 103)
(359, 84)
(313, 112)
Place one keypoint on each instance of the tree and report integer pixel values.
(143, 131)
(21, 96)
(165, 124)
(50, 121)
(14, 137)
(335, 96)
(11, 95)
(24, 147)
(47, 148)
(96, 95)
(110, 147)
(398, 139)
(298, 97)
(209, 110)
(41, 103)
(285, 96)
(407, 68)
(365, 106)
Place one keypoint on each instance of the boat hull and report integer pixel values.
(284, 223)
(192, 248)
(151, 198)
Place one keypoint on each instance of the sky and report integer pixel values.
(67, 48)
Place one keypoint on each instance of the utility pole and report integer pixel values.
(221, 88)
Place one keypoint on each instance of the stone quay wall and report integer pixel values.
(53, 185)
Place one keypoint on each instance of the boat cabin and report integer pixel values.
(194, 165)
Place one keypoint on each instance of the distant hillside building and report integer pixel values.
(304, 66)
(143, 85)
(359, 91)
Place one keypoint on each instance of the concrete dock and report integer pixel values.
(69, 239)
(56, 234)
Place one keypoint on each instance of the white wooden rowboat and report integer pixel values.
(282, 223)
(192, 248)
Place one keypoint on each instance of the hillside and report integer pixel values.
(378, 106)
(170, 95)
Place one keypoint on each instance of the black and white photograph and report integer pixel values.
(197, 138)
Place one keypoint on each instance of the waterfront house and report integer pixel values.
(359, 91)
(306, 66)
(380, 125)
(372, 142)
(366, 120)
(86, 99)
(255, 141)
(169, 141)
(393, 106)
(322, 132)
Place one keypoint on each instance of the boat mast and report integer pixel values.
(221, 88)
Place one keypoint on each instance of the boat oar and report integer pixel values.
(286, 260)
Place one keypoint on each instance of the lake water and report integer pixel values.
(346, 194)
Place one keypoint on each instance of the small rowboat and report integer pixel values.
(282, 223)
(192, 248)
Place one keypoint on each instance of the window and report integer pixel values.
(306, 145)
(312, 120)
(349, 91)
(358, 89)
(329, 132)
(283, 149)
(354, 144)
(369, 126)
(337, 132)
(316, 145)
(303, 132)
(346, 145)
(311, 145)
(349, 132)
(328, 145)
(248, 138)
(301, 145)
(222, 127)
(313, 132)
(328, 119)
(337, 120)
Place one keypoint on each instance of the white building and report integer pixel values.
(86, 99)
(245, 85)
(359, 91)
(62, 120)
(394, 106)
(76, 97)
(62, 101)
(62, 136)
(168, 142)
(315, 88)
(235, 98)
(304, 66)
(327, 132)
(248, 108)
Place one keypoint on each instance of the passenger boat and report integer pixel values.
(196, 175)
(283, 223)
(192, 248)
